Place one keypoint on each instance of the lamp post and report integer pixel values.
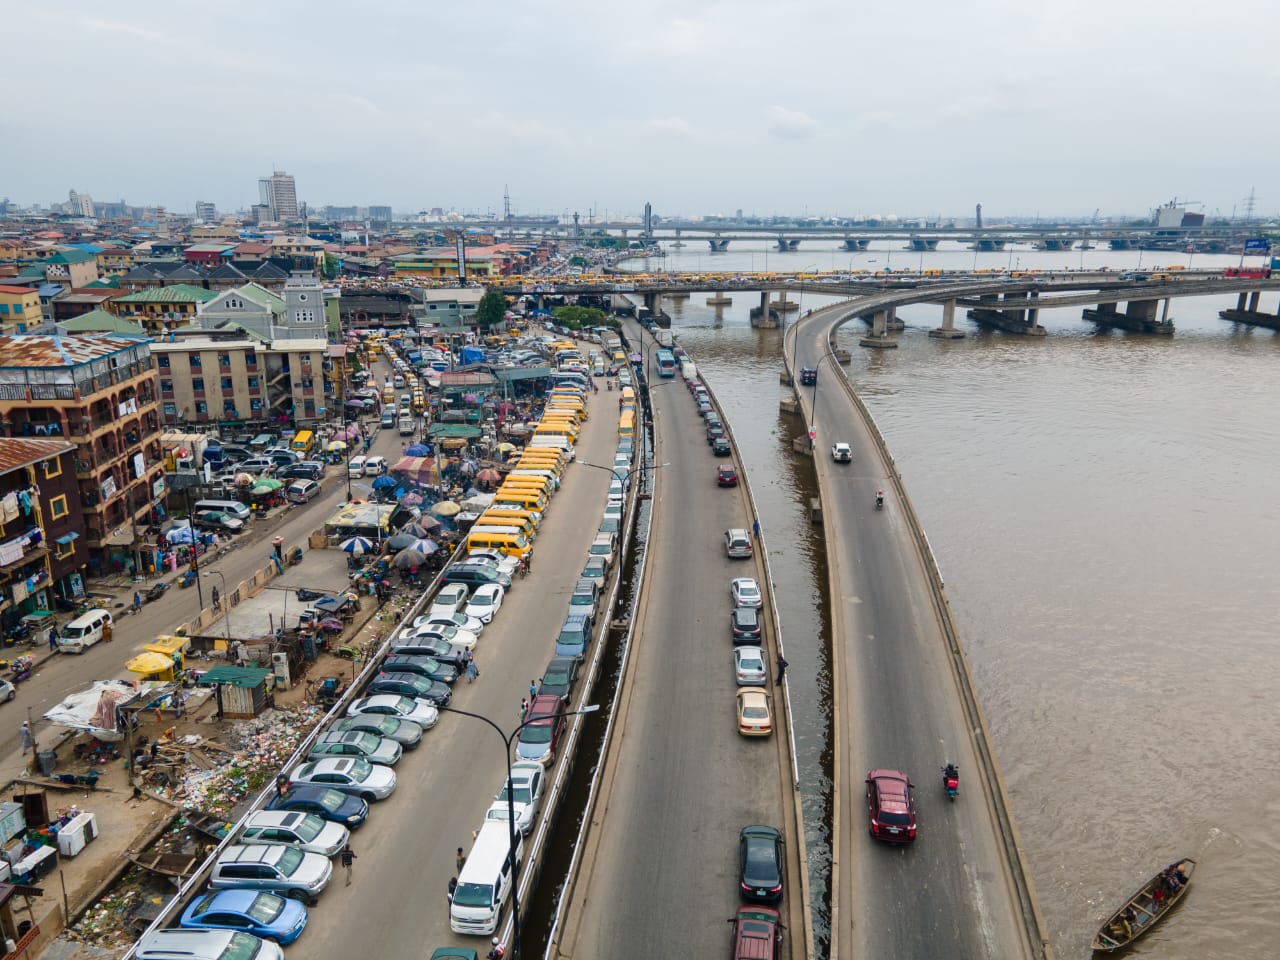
(507, 739)
(813, 397)
(226, 613)
(622, 475)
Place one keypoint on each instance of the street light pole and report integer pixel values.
(507, 739)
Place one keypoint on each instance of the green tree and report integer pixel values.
(329, 269)
(491, 309)
(577, 317)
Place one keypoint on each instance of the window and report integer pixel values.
(4, 308)
(304, 357)
(224, 359)
(255, 404)
(201, 407)
(228, 406)
(253, 383)
(170, 410)
(250, 359)
(63, 550)
(17, 308)
(309, 408)
(58, 507)
(226, 383)
(166, 385)
(194, 359)
(198, 384)
(53, 468)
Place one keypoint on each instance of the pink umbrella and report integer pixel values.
(411, 500)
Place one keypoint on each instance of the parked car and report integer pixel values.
(421, 712)
(754, 719)
(559, 677)
(745, 592)
(585, 597)
(714, 431)
(458, 620)
(726, 476)
(404, 732)
(179, 944)
(485, 602)
(760, 864)
(434, 646)
(744, 626)
(411, 685)
(423, 666)
(595, 569)
(720, 447)
(451, 598)
(891, 806)
(504, 563)
(737, 543)
(604, 546)
(474, 575)
(299, 471)
(375, 466)
(750, 668)
(216, 520)
(355, 467)
(332, 805)
(258, 466)
(360, 778)
(575, 635)
(544, 727)
(527, 780)
(436, 631)
(757, 933)
(259, 912)
(370, 746)
(301, 491)
(272, 866)
(306, 831)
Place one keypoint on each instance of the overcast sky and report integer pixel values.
(772, 106)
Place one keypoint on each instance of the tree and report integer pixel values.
(576, 317)
(491, 309)
(329, 269)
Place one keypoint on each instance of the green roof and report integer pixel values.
(71, 256)
(100, 321)
(111, 283)
(246, 677)
(177, 293)
(262, 297)
(454, 430)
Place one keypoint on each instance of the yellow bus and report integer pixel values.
(628, 396)
(557, 428)
(567, 405)
(502, 539)
(627, 424)
(303, 441)
(522, 498)
(518, 518)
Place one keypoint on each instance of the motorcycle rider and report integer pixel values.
(879, 499)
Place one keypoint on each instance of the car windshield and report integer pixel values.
(309, 828)
(482, 599)
(521, 794)
(473, 895)
(539, 732)
(290, 860)
(405, 705)
(755, 713)
(367, 742)
(449, 631)
(894, 819)
(332, 800)
(387, 725)
(243, 946)
(265, 908)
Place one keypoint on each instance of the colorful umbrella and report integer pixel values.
(446, 508)
(408, 558)
(418, 450)
(337, 445)
(356, 545)
(384, 482)
(411, 500)
(244, 479)
(426, 546)
(488, 475)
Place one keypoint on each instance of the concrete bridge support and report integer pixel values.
(1252, 316)
(1021, 319)
(718, 245)
(1139, 316)
(855, 245)
(948, 329)
(764, 315)
(786, 245)
(879, 338)
(1254, 297)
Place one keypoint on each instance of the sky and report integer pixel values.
(786, 107)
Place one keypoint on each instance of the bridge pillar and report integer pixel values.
(879, 338)
(782, 245)
(1254, 297)
(1164, 311)
(1240, 300)
(948, 329)
(718, 244)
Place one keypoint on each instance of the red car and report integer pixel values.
(757, 933)
(726, 476)
(891, 806)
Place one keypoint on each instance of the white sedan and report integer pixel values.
(441, 631)
(745, 592)
(421, 712)
(450, 599)
(459, 621)
(528, 778)
(485, 602)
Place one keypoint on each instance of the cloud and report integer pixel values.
(791, 124)
(675, 127)
(684, 36)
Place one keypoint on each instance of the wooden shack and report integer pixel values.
(241, 692)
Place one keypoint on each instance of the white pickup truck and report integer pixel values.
(407, 424)
(841, 453)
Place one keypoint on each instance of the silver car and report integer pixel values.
(306, 831)
(272, 866)
(351, 775)
(749, 667)
(354, 743)
(421, 712)
(404, 732)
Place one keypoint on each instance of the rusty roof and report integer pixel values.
(32, 350)
(18, 452)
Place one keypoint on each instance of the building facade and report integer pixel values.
(160, 309)
(20, 310)
(101, 393)
(280, 193)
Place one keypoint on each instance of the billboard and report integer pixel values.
(1258, 245)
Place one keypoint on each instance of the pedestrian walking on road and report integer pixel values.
(533, 690)
(53, 639)
(524, 708)
(348, 857)
(24, 737)
(106, 632)
(461, 860)
(782, 668)
(755, 530)
(453, 885)
(472, 671)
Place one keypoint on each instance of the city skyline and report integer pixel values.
(699, 107)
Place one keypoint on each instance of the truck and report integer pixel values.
(808, 376)
(407, 424)
(663, 337)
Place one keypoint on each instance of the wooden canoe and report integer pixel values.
(1117, 933)
(180, 865)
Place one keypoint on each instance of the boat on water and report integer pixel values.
(1153, 902)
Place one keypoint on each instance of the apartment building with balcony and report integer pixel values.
(42, 553)
(101, 393)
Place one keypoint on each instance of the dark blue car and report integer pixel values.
(325, 802)
(260, 912)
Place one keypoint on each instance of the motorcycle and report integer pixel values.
(306, 596)
(157, 590)
(22, 668)
(879, 501)
(188, 579)
(951, 780)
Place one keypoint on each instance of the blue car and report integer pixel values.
(260, 912)
(325, 802)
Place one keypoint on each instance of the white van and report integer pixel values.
(233, 507)
(563, 444)
(206, 945)
(485, 881)
(406, 424)
(355, 467)
(83, 632)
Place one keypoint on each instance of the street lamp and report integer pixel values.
(226, 613)
(623, 476)
(507, 739)
(813, 397)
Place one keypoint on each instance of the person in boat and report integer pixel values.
(1158, 899)
(1122, 926)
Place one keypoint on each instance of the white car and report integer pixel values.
(459, 620)
(451, 598)
(505, 563)
(306, 831)
(485, 602)
(352, 775)
(375, 466)
(355, 467)
(841, 453)
(745, 592)
(421, 712)
(528, 779)
(444, 631)
(749, 667)
(603, 546)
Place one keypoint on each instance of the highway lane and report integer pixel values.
(249, 552)
(949, 893)
(660, 874)
(396, 907)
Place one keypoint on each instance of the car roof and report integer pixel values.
(545, 703)
(753, 695)
(737, 531)
(742, 582)
(276, 818)
(252, 853)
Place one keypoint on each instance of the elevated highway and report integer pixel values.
(903, 699)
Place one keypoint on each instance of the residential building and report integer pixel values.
(19, 309)
(72, 303)
(71, 268)
(206, 211)
(100, 392)
(451, 307)
(42, 551)
(208, 255)
(380, 214)
(441, 263)
(162, 308)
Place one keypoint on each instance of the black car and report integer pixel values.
(300, 471)
(760, 864)
(808, 376)
(427, 667)
(332, 805)
(411, 685)
(714, 430)
(720, 447)
(744, 623)
(473, 575)
(559, 677)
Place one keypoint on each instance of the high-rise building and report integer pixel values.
(79, 204)
(206, 211)
(380, 214)
(280, 193)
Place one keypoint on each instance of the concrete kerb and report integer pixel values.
(999, 806)
(586, 847)
(787, 752)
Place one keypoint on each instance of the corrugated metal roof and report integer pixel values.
(34, 350)
(18, 452)
(175, 293)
